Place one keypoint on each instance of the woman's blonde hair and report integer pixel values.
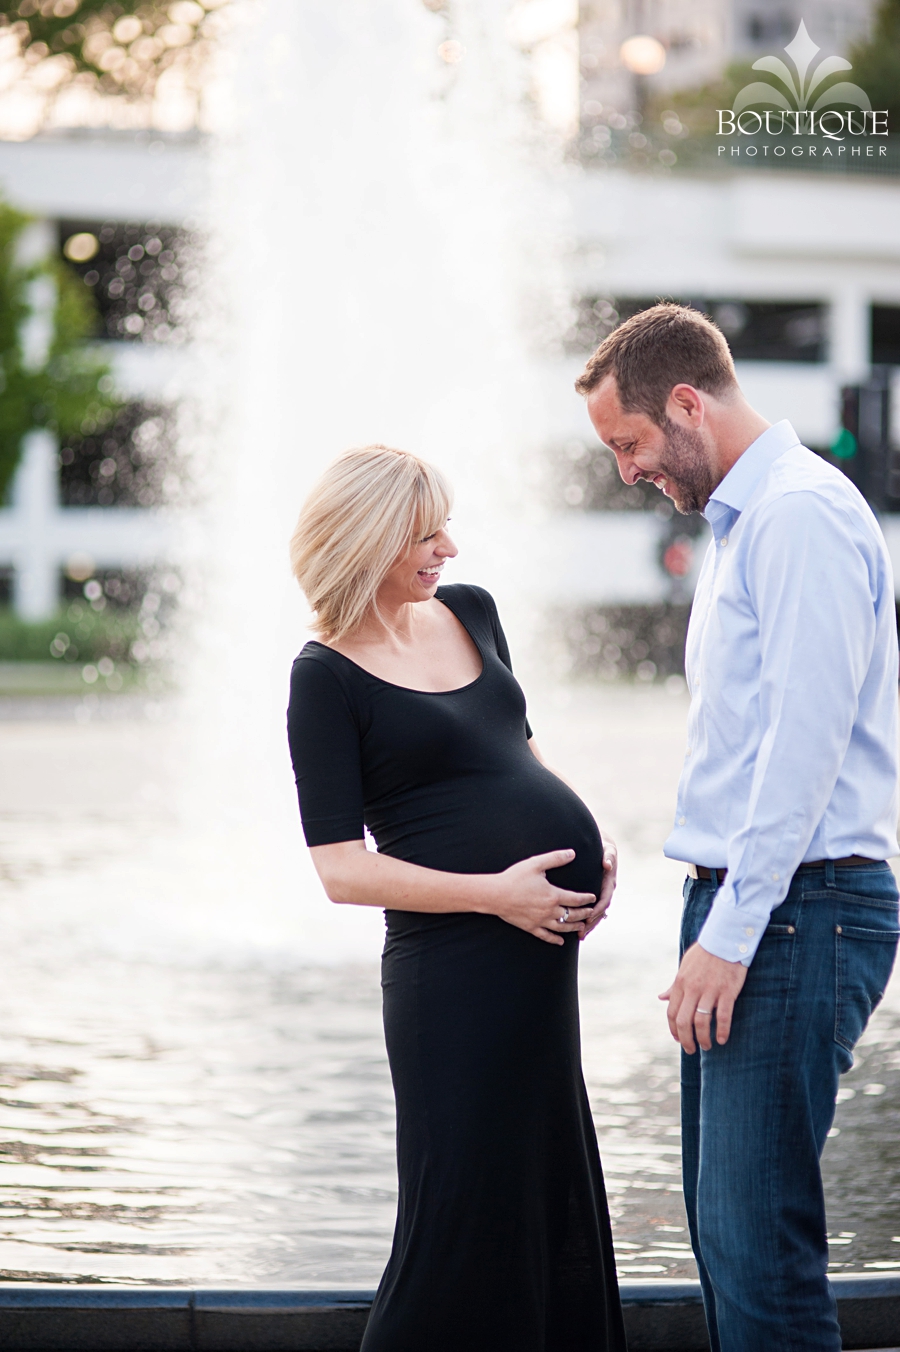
(366, 512)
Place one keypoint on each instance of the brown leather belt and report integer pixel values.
(718, 875)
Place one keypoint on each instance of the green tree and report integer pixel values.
(67, 390)
(119, 46)
(876, 63)
(697, 105)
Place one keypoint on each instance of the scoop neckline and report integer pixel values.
(411, 689)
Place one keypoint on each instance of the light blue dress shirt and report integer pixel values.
(792, 666)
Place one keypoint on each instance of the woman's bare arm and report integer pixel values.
(521, 895)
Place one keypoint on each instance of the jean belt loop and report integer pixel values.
(829, 873)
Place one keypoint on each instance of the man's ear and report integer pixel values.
(686, 404)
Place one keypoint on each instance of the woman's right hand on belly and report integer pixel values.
(524, 898)
(521, 895)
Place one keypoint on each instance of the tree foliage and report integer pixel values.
(697, 106)
(67, 387)
(119, 46)
(876, 63)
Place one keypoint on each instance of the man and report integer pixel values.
(787, 810)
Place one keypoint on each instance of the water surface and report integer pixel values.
(193, 1086)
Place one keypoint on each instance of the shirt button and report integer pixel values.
(681, 821)
(742, 948)
(688, 752)
(774, 877)
(750, 931)
(723, 542)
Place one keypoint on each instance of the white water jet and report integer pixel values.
(380, 259)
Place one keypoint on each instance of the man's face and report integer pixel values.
(677, 457)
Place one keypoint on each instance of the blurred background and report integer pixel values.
(108, 127)
(235, 237)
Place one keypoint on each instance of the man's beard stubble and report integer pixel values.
(685, 465)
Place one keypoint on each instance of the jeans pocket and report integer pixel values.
(864, 961)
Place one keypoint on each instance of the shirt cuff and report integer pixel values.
(730, 932)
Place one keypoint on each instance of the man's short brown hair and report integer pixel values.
(655, 350)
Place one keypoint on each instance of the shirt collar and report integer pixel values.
(746, 474)
(753, 465)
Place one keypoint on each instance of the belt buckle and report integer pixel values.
(692, 871)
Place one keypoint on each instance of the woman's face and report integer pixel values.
(416, 576)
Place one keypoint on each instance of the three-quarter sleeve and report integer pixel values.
(324, 738)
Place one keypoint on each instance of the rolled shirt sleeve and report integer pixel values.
(811, 580)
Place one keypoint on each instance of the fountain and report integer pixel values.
(375, 211)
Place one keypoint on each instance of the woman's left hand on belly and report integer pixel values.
(607, 887)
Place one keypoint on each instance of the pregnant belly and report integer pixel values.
(486, 823)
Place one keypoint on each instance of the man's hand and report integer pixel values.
(703, 984)
(607, 887)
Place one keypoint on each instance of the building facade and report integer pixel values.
(800, 267)
(97, 509)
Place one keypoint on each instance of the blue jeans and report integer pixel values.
(755, 1113)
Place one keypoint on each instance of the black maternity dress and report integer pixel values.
(502, 1241)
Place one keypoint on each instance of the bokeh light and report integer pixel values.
(451, 51)
(81, 247)
(642, 55)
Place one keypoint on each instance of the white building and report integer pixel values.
(743, 241)
(701, 37)
(92, 176)
(738, 238)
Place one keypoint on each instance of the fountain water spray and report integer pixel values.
(379, 244)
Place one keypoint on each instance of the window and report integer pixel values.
(129, 461)
(138, 274)
(755, 330)
(770, 29)
(886, 335)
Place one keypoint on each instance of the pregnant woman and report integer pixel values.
(405, 718)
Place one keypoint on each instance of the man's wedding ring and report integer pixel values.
(564, 918)
(703, 1011)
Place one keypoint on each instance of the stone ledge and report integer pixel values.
(660, 1316)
